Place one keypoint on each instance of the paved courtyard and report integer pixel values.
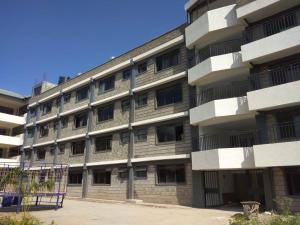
(77, 212)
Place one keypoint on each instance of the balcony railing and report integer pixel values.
(276, 76)
(273, 25)
(218, 49)
(281, 132)
(237, 89)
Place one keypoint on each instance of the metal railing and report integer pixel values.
(237, 89)
(218, 49)
(273, 25)
(276, 76)
(276, 133)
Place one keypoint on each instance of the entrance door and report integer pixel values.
(211, 189)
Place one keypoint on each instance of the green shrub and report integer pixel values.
(24, 220)
(274, 220)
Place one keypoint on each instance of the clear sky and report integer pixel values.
(48, 38)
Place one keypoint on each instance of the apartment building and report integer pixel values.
(123, 127)
(12, 120)
(204, 115)
(246, 71)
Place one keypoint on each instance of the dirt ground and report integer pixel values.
(77, 212)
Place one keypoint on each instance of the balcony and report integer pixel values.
(12, 162)
(275, 38)
(223, 151)
(276, 88)
(255, 10)
(11, 121)
(279, 146)
(214, 25)
(221, 104)
(9, 141)
(217, 62)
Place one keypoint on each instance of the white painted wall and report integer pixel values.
(11, 141)
(279, 96)
(11, 120)
(211, 21)
(217, 109)
(227, 158)
(278, 154)
(273, 47)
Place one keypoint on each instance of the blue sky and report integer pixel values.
(48, 38)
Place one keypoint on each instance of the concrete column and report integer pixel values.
(58, 134)
(198, 189)
(267, 177)
(131, 134)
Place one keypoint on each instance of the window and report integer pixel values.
(67, 97)
(61, 149)
(123, 173)
(80, 120)
(46, 108)
(32, 112)
(124, 137)
(82, 94)
(37, 90)
(142, 68)
(40, 154)
(293, 180)
(141, 135)
(55, 125)
(140, 172)
(58, 102)
(30, 132)
(27, 154)
(104, 143)
(52, 149)
(106, 113)
(44, 130)
(141, 100)
(167, 60)
(126, 74)
(107, 84)
(125, 105)
(64, 122)
(75, 177)
(169, 95)
(78, 147)
(101, 177)
(198, 10)
(170, 174)
(6, 110)
(168, 133)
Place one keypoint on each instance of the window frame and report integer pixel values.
(60, 152)
(174, 169)
(80, 122)
(175, 125)
(64, 125)
(38, 151)
(127, 136)
(75, 144)
(123, 173)
(290, 181)
(141, 169)
(166, 91)
(42, 130)
(75, 173)
(105, 139)
(103, 82)
(48, 107)
(139, 99)
(79, 91)
(122, 106)
(107, 109)
(166, 56)
(105, 173)
(140, 65)
(137, 134)
(124, 75)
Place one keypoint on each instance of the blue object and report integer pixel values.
(7, 201)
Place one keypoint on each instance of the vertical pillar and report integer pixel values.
(267, 177)
(88, 139)
(130, 194)
(198, 189)
(58, 134)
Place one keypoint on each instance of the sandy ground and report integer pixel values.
(77, 212)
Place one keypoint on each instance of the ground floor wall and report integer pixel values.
(147, 188)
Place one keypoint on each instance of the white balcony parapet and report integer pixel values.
(9, 141)
(223, 158)
(273, 47)
(217, 68)
(274, 97)
(277, 154)
(11, 162)
(220, 111)
(213, 26)
(11, 121)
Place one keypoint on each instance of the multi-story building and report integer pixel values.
(204, 115)
(123, 127)
(246, 72)
(12, 120)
